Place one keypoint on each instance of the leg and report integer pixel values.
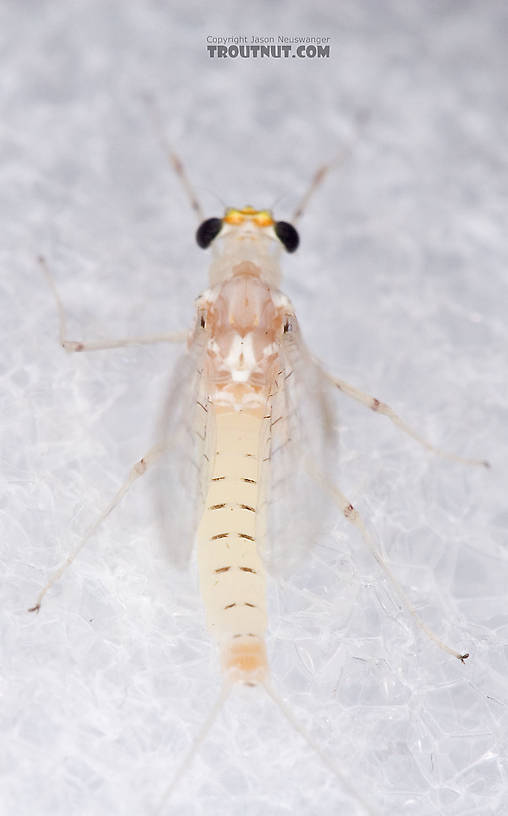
(138, 470)
(382, 408)
(72, 345)
(356, 520)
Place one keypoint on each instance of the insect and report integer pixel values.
(246, 432)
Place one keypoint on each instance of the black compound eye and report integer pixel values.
(207, 231)
(287, 235)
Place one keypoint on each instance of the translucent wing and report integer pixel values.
(186, 431)
(299, 428)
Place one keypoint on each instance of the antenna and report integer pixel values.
(319, 176)
(173, 157)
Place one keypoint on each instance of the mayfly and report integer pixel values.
(245, 434)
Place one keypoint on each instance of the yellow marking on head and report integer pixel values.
(235, 216)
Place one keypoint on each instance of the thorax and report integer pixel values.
(244, 319)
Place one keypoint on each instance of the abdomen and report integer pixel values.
(232, 576)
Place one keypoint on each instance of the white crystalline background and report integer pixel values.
(400, 286)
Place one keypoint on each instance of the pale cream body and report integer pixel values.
(232, 575)
(244, 319)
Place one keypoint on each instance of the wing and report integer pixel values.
(299, 428)
(186, 431)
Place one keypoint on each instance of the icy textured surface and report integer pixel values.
(400, 286)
